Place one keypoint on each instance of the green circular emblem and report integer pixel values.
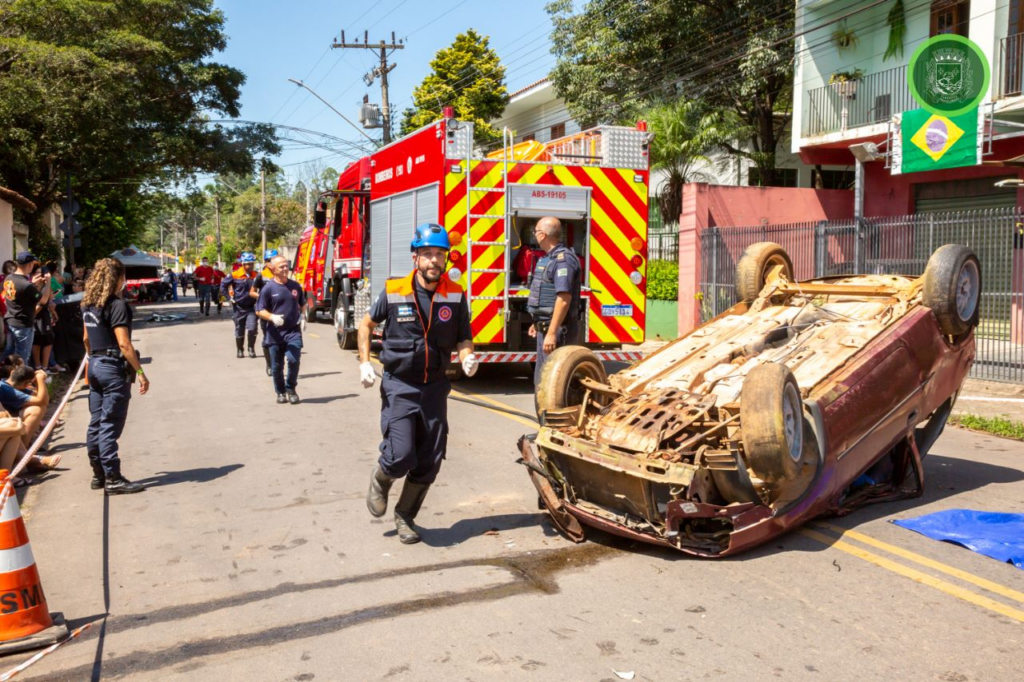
(948, 75)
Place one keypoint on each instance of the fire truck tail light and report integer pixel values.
(455, 238)
(637, 243)
(637, 261)
(636, 278)
(454, 256)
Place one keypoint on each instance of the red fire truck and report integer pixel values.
(595, 182)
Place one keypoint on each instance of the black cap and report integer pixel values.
(25, 257)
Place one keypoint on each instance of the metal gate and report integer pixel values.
(893, 245)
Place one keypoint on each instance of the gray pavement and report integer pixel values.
(252, 556)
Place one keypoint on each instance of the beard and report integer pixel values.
(431, 274)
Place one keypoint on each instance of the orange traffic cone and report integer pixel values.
(25, 621)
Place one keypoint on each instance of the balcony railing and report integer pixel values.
(1011, 66)
(870, 100)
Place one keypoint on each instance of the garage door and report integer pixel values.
(963, 195)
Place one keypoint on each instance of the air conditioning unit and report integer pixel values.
(369, 115)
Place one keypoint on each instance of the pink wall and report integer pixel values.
(717, 206)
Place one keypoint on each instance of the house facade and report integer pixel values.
(828, 118)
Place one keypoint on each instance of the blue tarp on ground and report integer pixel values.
(996, 535)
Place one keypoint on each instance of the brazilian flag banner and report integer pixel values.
(927, 141)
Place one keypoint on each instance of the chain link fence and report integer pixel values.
(893, 245)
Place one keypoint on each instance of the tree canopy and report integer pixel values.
(467, 76)
(615, 59)
(120, 94)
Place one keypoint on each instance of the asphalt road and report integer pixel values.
(252, 555)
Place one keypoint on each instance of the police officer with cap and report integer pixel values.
(425, 317)
(554, 293)
(242, 290)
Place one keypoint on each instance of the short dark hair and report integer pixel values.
(20, 375)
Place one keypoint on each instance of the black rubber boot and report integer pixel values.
(238, 346)
(377, 497)
(251, 338)
(99, 477)
(408, 507)
(119, 485)
(266, 357)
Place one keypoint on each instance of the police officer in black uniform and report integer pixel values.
(554, 300)
(425, 317)
(242, 288)
(113, 367)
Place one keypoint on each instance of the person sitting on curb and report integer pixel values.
(18, 397)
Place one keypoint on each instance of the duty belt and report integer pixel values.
(542, 326)
(109, 353)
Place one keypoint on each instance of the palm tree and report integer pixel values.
(685, 132)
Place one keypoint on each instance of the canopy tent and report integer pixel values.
(141, 270)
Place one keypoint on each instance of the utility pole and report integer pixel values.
(163, 262)
(309, 210)
(263, 205)
(382, 71)
(216, 213)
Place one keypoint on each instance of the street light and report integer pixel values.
(303, 85)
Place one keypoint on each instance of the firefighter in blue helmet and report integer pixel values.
(425, 317)
(242, 288)
(265, 276)
(554, 300)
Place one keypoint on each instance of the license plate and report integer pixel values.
(616, 311)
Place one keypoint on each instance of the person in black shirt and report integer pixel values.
(23, 298)
(113, 366)
(281, 304)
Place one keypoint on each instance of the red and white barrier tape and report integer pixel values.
(45, 652)
(8, 486)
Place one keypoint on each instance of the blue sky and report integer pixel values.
(271, 41)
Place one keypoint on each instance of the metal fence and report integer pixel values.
(873, 98)
(893, 245)
(662, 237)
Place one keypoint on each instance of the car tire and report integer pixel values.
(559, 378)
(952, 288)
(760, 263)
(771, 413)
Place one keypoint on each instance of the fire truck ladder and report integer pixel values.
(471, 217)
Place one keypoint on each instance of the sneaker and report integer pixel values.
(50, 371)
(293, 398)
(270, 372)
(281, 399)
(122, 486)
(241, 353)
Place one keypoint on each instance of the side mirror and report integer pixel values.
(320, 217)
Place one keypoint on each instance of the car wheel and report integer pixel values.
(559, 385)
(771, 413)
(761, 263)
(952, 288)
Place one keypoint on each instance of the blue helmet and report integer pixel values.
(248, 257)
(430, 234)
(269, 253)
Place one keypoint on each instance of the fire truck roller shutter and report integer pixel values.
(380, 212)
(403, 224)
(426, 205)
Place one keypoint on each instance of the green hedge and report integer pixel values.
(663, 280)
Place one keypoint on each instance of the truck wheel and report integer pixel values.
(771, 414)
(559, 385)
(344, 325)
(761, 263)
(952, 288)
(311, 313)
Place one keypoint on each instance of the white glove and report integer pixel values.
(470, 364)
(366, 374)
(302, 323)
(278, 320)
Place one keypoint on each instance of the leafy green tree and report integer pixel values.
(684, 134)
(116, 93)
(615, 59)
(467, 76)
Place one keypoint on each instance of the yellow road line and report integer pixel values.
(917, 576)
(925, 561)
(315, 336)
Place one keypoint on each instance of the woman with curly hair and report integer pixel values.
(113, 368)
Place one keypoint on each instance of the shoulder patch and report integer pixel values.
(561, 256)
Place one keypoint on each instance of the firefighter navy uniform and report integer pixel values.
(238, 288)
(556, 273)
(265, 276)
(421, 331)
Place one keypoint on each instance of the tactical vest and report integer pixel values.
(412, 353)
(541, 302)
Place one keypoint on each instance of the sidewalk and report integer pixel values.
(991, 399)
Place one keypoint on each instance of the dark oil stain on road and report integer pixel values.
(531, 572)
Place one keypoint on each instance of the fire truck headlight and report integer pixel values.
(455, 274)
(635, 277)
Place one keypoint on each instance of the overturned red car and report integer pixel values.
(804, 399)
